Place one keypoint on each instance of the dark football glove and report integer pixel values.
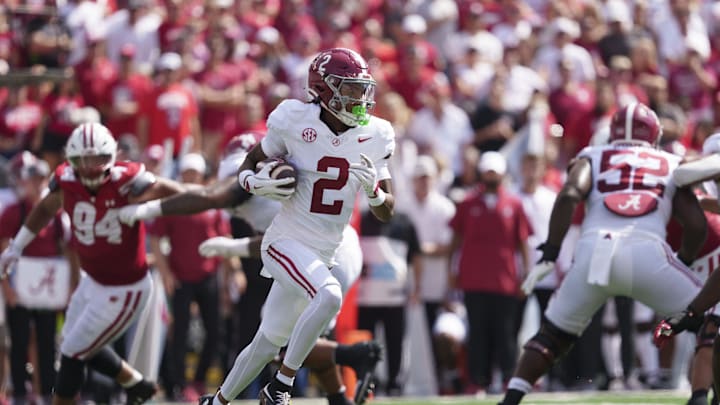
(549, 252)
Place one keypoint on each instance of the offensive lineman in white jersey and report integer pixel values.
(338, 148)
(630, 196)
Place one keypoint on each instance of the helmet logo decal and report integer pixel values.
(309, 135)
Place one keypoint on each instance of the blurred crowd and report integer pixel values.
(489, 100)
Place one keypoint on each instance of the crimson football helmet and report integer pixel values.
(635, 123)
(235, 152)
(340, 80)
(91, 151)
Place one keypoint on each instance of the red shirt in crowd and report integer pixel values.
(564, 105)
(45, 244)
(95, 78)
(490, 238)
(186, 233)
(135, 88)
(58, 108)
(686, 90)
(215, 118)
(170, 111)
(20, 121)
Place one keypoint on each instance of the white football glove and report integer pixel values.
(366, 173)
(224, 247)
(538, 272)
(132, 213)
(261, 184)
(8, 260)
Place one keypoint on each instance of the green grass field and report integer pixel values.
(598, 398)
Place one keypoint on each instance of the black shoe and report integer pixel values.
(275, 393)
(141, 392)
(206, 399)
(368, 355)
(701, 400)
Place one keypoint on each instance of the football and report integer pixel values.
(282, 170)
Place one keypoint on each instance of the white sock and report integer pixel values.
(285, 379)
(136, 378)
(517, 383)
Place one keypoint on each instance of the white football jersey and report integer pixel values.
(324, 197)
(632, 188)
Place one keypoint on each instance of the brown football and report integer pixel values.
(282, 170)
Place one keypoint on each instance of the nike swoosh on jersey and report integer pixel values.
(361, 140)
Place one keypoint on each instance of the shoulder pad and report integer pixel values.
(285, 113)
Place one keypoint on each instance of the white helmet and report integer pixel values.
(91, 151)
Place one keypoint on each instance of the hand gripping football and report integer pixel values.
(282, 170)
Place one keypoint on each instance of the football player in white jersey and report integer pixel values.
(338, 148)
(630, 196)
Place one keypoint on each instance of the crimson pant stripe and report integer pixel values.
(289, 260)
(107, 330)
(675, 262)
(121, 326)
(277, 256)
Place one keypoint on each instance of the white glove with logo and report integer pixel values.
(262, 184)
(224, 247)
(538, 272)
(8, 259)
(366, 173)
(132, 213)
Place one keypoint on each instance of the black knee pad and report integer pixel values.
(107, 362)
(708, 331)
(551, 341)
(69, 378)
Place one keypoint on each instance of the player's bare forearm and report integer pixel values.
(709, 295)
(574, 190)
(255, 155)
(385, 211)
(222, 194)
(689, 214)
(44, 211)
(710, 204)
(160, 189)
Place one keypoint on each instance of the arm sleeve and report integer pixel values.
(273, 144)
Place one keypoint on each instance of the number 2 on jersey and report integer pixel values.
(86, 229)
(319, 187)
(633, 177)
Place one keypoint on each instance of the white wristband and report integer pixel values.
(379, 198)
(23, 238)
(153, 209)
(242, 179)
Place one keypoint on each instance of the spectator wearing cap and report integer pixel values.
(220, 92)
(59, 107)
(441, 17)
(120, 106)
(559, 37)
(489, 229)
(440, 127)
(431, 213)
(170, 113)
(187, 278)
(153, 157)
(413, 34)
(19, 119)
(135, 25)
(47, 249)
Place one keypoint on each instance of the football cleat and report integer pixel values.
(206, 399)
(275, 393)
(141, 392)
(369, 354)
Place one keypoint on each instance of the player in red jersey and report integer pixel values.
(91, 186)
